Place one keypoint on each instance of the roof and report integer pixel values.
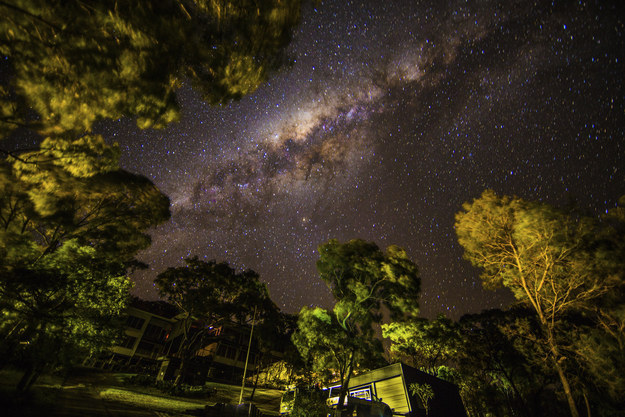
(160, 308)
(445, 403)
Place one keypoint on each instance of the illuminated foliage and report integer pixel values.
(552, 261)
(424, 344)
(364, 281)
(71, 224)
(75, 62)
(75, 190)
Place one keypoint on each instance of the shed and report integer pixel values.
(390, 384)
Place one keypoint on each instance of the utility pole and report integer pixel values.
(249, 346)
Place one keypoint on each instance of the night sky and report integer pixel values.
(392, 115)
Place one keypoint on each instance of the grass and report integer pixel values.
(44, 395)
(148, 401)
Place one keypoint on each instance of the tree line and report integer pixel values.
(557, 350)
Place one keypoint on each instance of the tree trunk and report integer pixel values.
(258, 363)
(27, 380)
(563, 379)
(254, 387)
(567, 390)
(37, 373)
(553, 346)
(588, 414)
(345, 386)
(525, 409)
(181, 370)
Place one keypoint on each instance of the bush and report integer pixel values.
(141, 380)
(310, 404)
(184, 390)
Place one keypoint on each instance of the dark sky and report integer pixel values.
(393, 114)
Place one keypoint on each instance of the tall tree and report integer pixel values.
(71, 223)
(327, 348)
(212, 294)
(366, 282)
(76, 62)
(549, 259)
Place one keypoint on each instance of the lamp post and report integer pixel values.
(247, 357)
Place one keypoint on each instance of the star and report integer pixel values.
(390, 117)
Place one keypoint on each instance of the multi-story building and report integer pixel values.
(153, 336)
(222, 356)
(148, 327)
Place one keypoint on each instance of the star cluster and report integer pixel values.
(392, 115)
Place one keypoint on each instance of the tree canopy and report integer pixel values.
(424, 344)
(553, 261)
(75, 190)
(76, 62)
(71, 223)
(213, 294)
(365, 282)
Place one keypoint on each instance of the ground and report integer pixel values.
(90, 392)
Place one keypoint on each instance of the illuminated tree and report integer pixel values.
(424, 392)
(71, 223)
(327, 347)
(75, 62)
(212, 294)
(426, 344)
(365, 282)
(60, 308)
(550, 260)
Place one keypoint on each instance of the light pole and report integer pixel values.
(247, 357)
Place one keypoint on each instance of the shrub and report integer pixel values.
(141, 380)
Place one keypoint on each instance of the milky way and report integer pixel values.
(392, 115)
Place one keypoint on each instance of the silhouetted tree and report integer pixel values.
(212, 294)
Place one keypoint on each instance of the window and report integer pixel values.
(155, 333)
(147, 348)
(226, 351)
(135, 322)
(365, 393)
(231, 353)
(129, 342)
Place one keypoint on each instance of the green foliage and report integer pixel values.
(75, 190)
(561, 265)
(424, 392)
(71, 223)
(310, 403)
(425, 344)
(75, 63)
(214, 292)
(326, 346)
(363, 280)
(543, 255)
